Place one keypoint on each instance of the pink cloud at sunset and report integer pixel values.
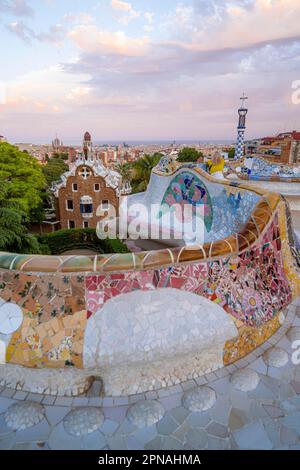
(128, 71)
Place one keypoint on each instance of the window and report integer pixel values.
(97, 187)
(85, 172)
(71, 224)
(70, 205)
(105, 204)
(75, 187)
(85, 224)
(86, 206)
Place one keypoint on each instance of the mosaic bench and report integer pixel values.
(260, 169)
(147, 320)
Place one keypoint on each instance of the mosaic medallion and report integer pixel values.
(186, 188)
(11, 318)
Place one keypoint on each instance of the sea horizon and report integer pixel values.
(138, 142)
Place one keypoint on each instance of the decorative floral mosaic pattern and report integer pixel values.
(226, 209)
(187, 188)
(166, 166)
(252, 287)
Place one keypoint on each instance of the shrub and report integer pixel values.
(77, 238)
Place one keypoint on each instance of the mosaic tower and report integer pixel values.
(239, 148)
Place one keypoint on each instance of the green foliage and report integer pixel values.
(13, 233)
(54, 169)
(189, 154)
(60, 155)
(142, 169)
(231, 153)
(25, 178)
(71, 239)
(125, 170)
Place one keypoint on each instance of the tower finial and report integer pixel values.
(243, 98)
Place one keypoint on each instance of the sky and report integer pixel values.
(147, 69)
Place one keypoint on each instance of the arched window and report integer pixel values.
(86, 206)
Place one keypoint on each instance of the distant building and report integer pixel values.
(71, 154)
(281, 148)
(85, 187)
(40, 152)
(57, 144)
(2, 138)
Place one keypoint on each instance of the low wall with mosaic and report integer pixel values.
(146, 320)
(259, 169)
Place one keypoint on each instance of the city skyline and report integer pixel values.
(142, 71)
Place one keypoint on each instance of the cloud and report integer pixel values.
(219, 7)
(148, 28)
(192, 88)
(214, 24)
(125, 12)
(78, 92)
(45, 90)
(21, 30)
(16, 8)
(81, 18)
(123, 6)
(91, 40)
(54, 34)
(148, 15)
(184, 82)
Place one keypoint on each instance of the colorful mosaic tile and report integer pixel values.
(253, 275)
(256, 168)
(252, 287)
(249, 338)
(54, 343)
(186, 188)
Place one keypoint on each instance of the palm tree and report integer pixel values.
(125, 170)
(142, 171)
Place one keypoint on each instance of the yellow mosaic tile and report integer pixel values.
(249, 338)
(54, 343)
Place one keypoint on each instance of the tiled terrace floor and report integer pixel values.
(265, 418)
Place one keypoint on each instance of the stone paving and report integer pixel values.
(253, 404)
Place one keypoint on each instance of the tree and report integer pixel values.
(25, 178)
(61, 155)
(231, 153)
(189, 154)
(13, 233)
(125, 170)
(54, 169)
(142, 169)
